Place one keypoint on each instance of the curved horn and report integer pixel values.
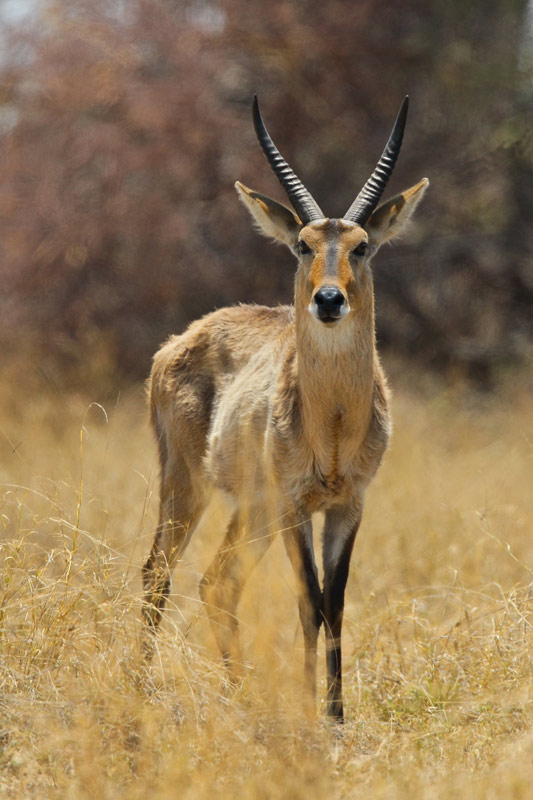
(304, 205)
(368, 198)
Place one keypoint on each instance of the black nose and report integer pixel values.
(329, 302)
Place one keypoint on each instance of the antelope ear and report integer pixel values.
(391, 218)
(272, 218)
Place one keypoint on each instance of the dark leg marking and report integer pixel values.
(345, 524)
(299, 546)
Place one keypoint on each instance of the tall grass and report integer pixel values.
(437, 636)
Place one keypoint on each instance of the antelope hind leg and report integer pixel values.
(223, 583)
(177, 521)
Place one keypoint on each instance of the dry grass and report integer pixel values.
(438, 633)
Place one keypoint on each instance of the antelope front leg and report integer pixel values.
(299, 545)
(340, 529)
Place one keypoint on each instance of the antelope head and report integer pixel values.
(333, 279)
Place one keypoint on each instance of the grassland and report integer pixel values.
(437, 640)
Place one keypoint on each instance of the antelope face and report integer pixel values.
(333, 256)
(333, 277)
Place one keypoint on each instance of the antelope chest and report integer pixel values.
(318, 492)
(314, 481)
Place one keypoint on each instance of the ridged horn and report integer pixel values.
(302, 201)
(368, 198)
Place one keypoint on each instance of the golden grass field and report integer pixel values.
(437, 636)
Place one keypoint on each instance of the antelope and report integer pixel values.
(285, 410)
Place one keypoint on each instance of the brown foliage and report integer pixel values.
(125, 127)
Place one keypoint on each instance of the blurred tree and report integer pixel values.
(124, 127)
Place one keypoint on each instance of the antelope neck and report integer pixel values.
(335, 377)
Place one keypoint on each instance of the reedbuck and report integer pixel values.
(285, 410)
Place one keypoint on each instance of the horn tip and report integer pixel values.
(256, 114)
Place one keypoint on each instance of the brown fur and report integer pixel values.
(286, 414)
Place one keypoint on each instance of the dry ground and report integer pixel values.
(438, 634)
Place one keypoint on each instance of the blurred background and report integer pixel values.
(124, 125)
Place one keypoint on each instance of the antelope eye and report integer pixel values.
(360, 250)
(303, 248)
